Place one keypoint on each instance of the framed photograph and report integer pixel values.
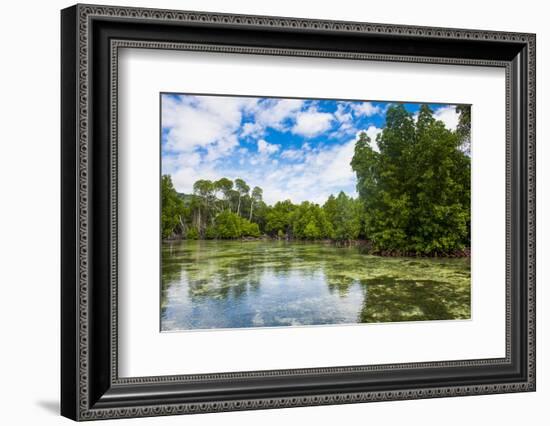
(263, 212)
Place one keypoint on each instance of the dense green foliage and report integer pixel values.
(173, 209)
(416, 187)
(309, 222)
(464, 127)
(345, 214)
(231, 225)
(213, 211)
(413, 186)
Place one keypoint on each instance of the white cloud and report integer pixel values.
(208, 122)
(293, 154)
(311, 123)
(365, 108)
(372, 132)
(342, 115)
(200, 131)
(184, 178)
(448, 116)
(171, 163)
(203, 143)
(222, 147)
(323, 172)
(317, 173)
(251, 129)
(275, 113)
(267, 148)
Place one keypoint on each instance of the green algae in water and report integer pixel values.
(235, 284)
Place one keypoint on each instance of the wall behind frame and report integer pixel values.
(29, 217)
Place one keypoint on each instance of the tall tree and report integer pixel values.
(464, 127)
(440, 220)
(415, 190)
(344, 213)
(204, 189)
(255, 198)
(242, 189)
(364, 163)
(173, 209)
(309, 221)
(278, 218)
(225, 186)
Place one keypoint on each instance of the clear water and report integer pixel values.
(234, 284)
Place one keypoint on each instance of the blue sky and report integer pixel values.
(295, 149)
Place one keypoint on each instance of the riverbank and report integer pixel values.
(365, 246)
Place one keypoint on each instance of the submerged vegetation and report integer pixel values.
(270, 283)
(413, 189)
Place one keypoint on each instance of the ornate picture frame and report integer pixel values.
(91, 37)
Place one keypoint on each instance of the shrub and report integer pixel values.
(193, 234)
(250, 229)
(228, 225)
(210, 233)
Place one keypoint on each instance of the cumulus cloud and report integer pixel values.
(209, 137)
(311, 123)
(208, 122)
(313, 175)
(293, 154)
(277, 114)
(342, 114)
(344, 118)
(365, 108)
(448, 116)
(183, 178)
(251, 129)
(372, 132)
(274, 112)
(171, 163)
(267, 148)
(320, 173)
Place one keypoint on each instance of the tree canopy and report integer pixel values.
(413, 185)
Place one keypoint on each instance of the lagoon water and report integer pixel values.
(235, 284)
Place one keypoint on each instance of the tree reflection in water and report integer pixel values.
(233, 284)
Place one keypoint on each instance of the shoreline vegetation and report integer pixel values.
(413, 198)
(365, 246)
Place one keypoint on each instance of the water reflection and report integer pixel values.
(231, 284)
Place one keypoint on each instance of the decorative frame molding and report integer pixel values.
(91, 37)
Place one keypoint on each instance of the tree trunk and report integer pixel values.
(199, 217)
(239, 205)
(206, 209)
(183, 226)
(251, 209)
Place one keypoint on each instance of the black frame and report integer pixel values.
(91, 37)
